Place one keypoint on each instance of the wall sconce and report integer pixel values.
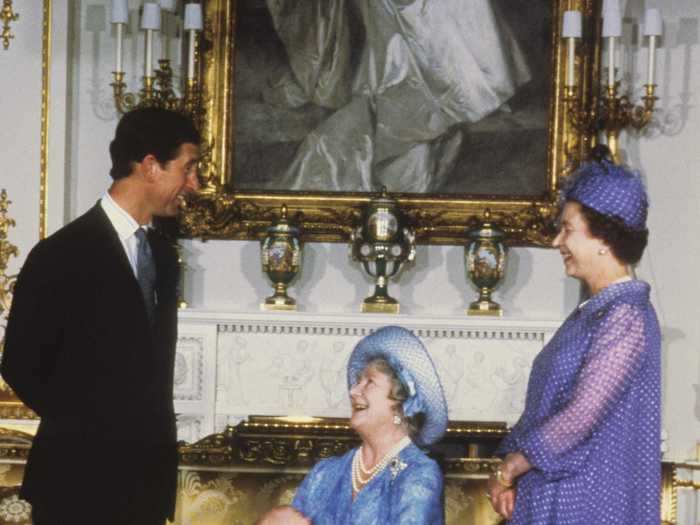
(611, 112)
(7, 15)
(157, 89)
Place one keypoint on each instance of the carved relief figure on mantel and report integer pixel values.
(484, 375)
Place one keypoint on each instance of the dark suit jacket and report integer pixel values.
(80, 352)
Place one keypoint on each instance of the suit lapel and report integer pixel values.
(115, 263)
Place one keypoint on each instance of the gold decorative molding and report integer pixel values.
(10, 406)
(7, 250)
(670, 483)
(264, 443)
(45, 99)
(7, 15)
(14, 444)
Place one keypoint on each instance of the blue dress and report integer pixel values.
(591, 424)
(407, 492)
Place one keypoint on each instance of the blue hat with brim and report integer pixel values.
(611, 190)
(410, 360)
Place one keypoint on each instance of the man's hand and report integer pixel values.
(286, 515)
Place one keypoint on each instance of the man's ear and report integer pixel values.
(149, 167)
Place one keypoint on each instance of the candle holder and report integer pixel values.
(157, 91)
(610, 114)
(157, 87)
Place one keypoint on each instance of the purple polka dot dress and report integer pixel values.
(591, 424)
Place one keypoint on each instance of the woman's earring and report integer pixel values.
(397, 420)
(602, 251)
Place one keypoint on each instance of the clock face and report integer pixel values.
(383, 224)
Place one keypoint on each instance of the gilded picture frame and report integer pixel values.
(228, 207)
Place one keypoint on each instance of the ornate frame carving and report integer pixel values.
(265, 442)
(10, 406)
(224, 212)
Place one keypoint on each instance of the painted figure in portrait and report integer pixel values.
(418, 96)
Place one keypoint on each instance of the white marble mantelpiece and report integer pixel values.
(233, 364)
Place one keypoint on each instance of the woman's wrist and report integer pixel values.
(503, 479)
(514, 465)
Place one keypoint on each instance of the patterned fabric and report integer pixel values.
(407, 492)
(611, 190)
(591, 424)
(409, 358)
(146, 272)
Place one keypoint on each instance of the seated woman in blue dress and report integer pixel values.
(397, 405)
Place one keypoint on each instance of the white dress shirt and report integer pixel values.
(125, 225)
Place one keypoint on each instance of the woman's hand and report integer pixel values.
(501, 489)
(502, 499)
(286, 515)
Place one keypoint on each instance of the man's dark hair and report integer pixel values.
(144, 131)
(626, 245)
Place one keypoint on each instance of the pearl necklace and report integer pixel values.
(358, 467)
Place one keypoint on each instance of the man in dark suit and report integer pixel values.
(90, 340)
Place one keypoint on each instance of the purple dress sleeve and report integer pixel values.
(560, 445)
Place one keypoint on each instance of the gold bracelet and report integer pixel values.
(501, 480)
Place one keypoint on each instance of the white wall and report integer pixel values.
(226, 275)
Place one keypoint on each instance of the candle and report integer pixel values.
(653, 28)
(149, 52)
(193, 23)
(118, 58)
(120, 16)
(571, 30)
(612, 28)
(611, 61)
(150, 21)
(652, 53)
(190, 56)
(120, 11)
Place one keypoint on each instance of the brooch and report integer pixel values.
(396, 467)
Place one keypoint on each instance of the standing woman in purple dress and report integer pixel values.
(587, 446)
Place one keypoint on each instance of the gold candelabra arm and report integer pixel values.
(617, 112)
(582, 119)
(157, 91)
(123, 100)
(7, 15)
(147, 91)
(641, 115)
(164, 94)
(609, 114)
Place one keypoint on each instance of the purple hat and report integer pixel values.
(611, 190)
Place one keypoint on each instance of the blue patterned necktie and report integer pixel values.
(146, 272)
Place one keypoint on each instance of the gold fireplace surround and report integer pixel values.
(232, 477)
